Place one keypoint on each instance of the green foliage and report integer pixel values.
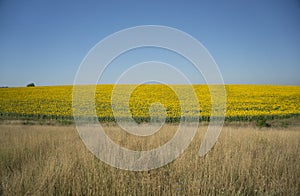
(262, 122)
(284, 124)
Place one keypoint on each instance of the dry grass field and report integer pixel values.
(246, 160)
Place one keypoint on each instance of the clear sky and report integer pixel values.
(253, 42)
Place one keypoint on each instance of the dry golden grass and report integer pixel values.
(44, 160)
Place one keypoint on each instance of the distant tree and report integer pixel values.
(31, 85)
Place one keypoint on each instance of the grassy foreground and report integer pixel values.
(44, 160)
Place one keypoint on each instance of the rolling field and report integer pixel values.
(246, 160)
(244, 102)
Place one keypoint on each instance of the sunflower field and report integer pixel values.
(244, 102)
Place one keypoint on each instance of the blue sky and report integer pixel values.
(253, 42)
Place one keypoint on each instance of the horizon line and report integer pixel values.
(252, 84)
